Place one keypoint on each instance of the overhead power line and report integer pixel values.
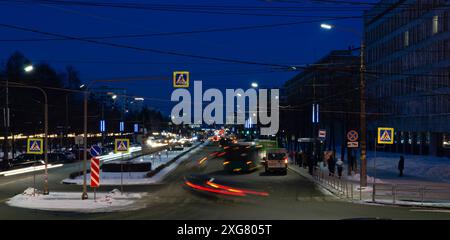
(226, 29)
(142, 49)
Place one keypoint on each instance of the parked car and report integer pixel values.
(59, 157)
(26, 160)
(68, 156)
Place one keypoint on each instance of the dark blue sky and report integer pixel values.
(290, 45)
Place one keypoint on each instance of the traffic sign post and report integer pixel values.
(322, 134)
(181, 79)
(121, 145)
(385, 135)
(95, 151)
(352, 139)
(95, 173)
(35, 146)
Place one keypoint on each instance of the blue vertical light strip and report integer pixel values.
(317, 113)
(313, 113)
(121, 127)
(136, 127)
(102, 126)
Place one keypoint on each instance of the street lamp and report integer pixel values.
(28, 68)
(86, 87)
(254, 85)
(326, 26)
(18, 85)
(362, 90)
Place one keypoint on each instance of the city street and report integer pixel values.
(290, 197)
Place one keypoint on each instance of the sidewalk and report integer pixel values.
(405, 191)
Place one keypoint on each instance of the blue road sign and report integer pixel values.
(35, 146)
(95, 151)
(136, 128)
(121, 145)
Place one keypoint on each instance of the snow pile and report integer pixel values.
(356, 178)
(71, 201)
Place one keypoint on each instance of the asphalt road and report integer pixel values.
(290, 197)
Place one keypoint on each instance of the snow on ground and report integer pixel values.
(417, 167)
(139, 178)
(71, 201)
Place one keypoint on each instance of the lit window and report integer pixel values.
(435, 24)
(406, 39)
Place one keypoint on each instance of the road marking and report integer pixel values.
(430, 210)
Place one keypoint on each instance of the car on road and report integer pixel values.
(25, 160)
(276, 160)
(241, 157)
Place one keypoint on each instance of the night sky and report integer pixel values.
(283, 45)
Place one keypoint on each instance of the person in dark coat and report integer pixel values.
(331, 165)
(401, 166)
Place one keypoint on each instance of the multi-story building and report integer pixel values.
(323, 96)
(408, 66)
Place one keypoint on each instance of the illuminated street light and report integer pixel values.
(326, 26)
(254, 85)
(114, 96)
(28, 68)
(138, 99)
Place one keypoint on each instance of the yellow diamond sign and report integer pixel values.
(385, 135)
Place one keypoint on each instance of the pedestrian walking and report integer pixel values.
(340, 167)
(401, 166)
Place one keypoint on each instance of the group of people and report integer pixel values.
(306, 160)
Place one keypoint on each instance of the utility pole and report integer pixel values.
(84, 195)
(6, 123)
(362, 89)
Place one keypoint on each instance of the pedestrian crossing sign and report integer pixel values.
(121, 145)
(181, 79)
(385, 135)
(35, 145)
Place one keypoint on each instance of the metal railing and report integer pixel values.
(384, 192)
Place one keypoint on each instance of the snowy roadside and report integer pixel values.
(349, 190)
(140, 178)
(417, 167)
(71, 201)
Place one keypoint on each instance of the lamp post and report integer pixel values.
(86, 88)
(18, 85)
(362, 92)
(6, 115)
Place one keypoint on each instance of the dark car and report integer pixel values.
(59, 157)
(26, 160)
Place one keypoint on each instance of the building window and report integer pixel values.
(406, 39)
(435, 24)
